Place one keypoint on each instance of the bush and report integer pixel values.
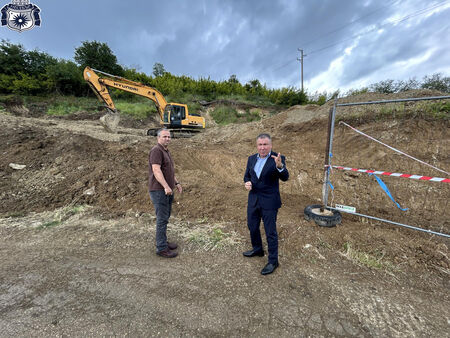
(437, 82)
(66, 78)
(27, 85)
(224, 115)
(6, 83)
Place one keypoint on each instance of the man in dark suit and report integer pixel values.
(261, 179)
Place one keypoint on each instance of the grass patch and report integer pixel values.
(16, 214)
(324, 245)
(65, 105)
(60, 109)
(140, 107)
(206, 236)
(224, 115)
(209, 238)
(437, 110)
(73, 210)
(391, 111)
(431, 111)
(11, 99)
(371, 260)
(50, 224)
(62, 215)
(138, 110)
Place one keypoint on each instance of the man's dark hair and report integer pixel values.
(264, 135)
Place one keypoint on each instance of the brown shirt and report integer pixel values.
(161, 156)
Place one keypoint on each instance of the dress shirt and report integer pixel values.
(259, 165)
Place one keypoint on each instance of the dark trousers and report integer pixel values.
(269, 217)
(163, 208)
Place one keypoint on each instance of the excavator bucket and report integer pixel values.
(110, 121)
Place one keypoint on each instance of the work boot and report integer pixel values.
(167, 253)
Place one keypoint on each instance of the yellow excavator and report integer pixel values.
(174, 116)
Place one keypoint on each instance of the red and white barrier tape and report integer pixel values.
(385, 173)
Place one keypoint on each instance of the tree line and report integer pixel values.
(34, 72)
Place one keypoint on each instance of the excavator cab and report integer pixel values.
(174, 115)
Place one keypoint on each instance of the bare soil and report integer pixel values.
(77, 229)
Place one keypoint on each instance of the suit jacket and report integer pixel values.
(265, 191)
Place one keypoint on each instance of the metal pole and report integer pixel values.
(302, 69)
(329, 148)
(392, 222)
(301, 64)
(325, 198)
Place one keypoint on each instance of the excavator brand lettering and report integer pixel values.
(125, 87)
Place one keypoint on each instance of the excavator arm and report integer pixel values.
(172, 115)
(100, 86)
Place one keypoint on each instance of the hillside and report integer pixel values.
(400, 288)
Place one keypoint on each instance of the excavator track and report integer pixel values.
(175, 133)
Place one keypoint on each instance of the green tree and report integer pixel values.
(37, 62)
(66, 78)
(99, 56)
(158, 69)
(12, 58)
(233, 79)
(25, 84)
(254, 87)
(6, 83)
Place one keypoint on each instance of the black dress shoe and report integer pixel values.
(252, 253)
(269, 268)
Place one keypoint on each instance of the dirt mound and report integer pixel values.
(73, 161)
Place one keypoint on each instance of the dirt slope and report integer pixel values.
(73, 162)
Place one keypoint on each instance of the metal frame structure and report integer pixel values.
(328, 157)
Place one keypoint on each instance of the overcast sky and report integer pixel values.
(348, 43)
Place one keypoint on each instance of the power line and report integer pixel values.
(348, 24)
(331, 32)
(409, 16)
(285, 64)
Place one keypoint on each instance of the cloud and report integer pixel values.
(345, 42)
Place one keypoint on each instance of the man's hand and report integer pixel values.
(278, 162)
(168, 191)
(248, 185)
(179, 188)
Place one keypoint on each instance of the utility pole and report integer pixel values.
(301, 63)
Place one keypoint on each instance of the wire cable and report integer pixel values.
(348, 24)
(392, 148)
(409, 16)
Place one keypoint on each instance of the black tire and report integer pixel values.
(152, 132)
(330, 219)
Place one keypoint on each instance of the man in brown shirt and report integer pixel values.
(161, 184)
